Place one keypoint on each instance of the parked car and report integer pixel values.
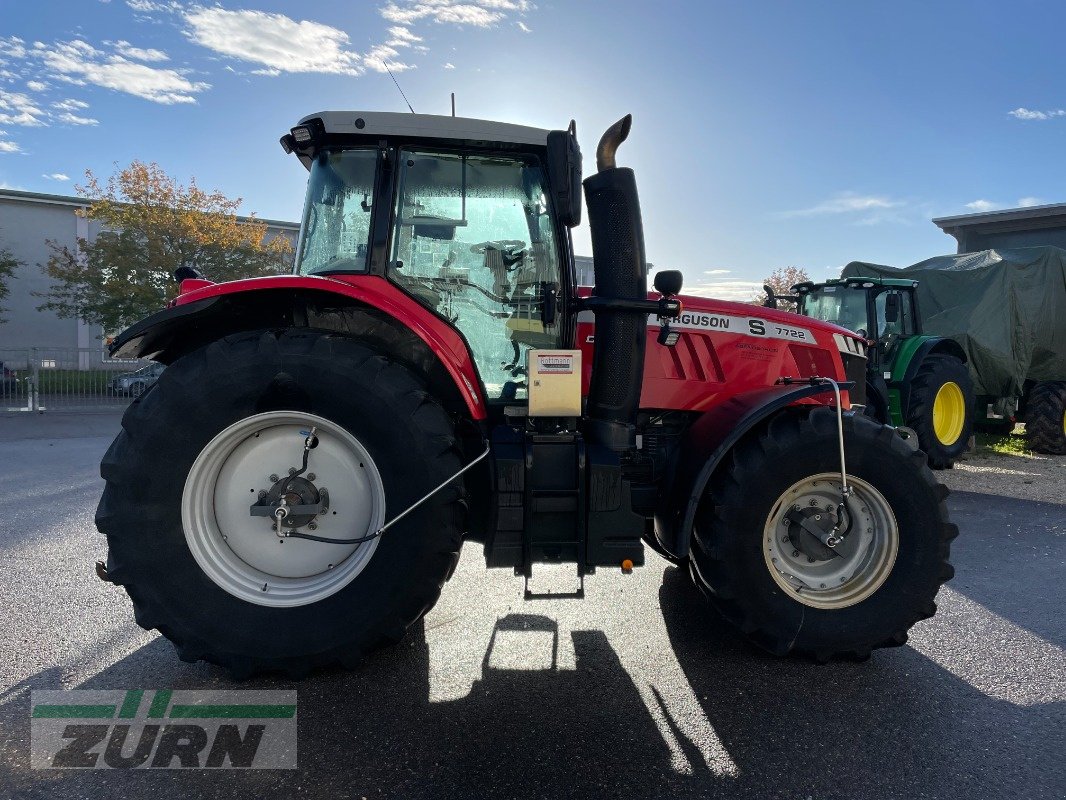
(9, 381)
(136, 383)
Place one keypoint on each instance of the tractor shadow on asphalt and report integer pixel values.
(898, 725)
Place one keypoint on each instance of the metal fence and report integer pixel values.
(70, 379)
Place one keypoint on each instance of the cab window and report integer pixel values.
(474, 241)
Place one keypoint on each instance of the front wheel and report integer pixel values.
(314, 423)
(757, 560)
(941, 409)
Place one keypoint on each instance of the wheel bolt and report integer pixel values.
(311, 476)
(273, 479)
(262, 494)
(810, 560)
(292, 471)
(795, 553)
(313, 526)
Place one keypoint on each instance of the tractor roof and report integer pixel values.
(856, 282)
(426, 126)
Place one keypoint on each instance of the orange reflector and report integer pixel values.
(627, 565)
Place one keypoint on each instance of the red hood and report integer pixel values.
(697, 303)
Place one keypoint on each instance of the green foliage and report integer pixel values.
(1011, 444)
(8, 265)
(151, 225)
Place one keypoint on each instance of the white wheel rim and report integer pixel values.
(242, 554)
(866, 556)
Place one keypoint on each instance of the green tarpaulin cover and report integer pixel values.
(1007, 308)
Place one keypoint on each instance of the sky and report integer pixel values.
(765, 134)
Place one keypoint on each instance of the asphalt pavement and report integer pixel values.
(637, 691)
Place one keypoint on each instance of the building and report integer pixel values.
(1012, 227)
(28, 221)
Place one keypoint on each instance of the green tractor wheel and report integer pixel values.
(1045, 418)
(941, 409)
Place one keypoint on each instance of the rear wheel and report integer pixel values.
(941, 409)
(783, 587)
(1045, 418)
(186, 477)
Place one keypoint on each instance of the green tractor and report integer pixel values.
(913, 380)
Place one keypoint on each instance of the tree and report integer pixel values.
(8, 265)
(781, 280)
(151, 225)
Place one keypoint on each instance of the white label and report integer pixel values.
(744, 326)
(555, 363)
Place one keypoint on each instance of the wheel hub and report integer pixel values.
(805, 541)
(230, 521)
(820, 576)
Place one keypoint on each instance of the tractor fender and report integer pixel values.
(703, 446)
(932, 345)
(365, 307)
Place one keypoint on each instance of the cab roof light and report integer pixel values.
(301, 134)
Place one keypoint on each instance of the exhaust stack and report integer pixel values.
(617, 233)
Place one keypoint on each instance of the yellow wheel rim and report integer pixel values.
(949, 413)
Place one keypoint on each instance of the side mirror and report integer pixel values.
(892, 306)
(668, 282)
(771, 298)
(564, 174)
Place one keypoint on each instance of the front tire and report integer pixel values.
(941, 409)
(785, 593)
(189, 463)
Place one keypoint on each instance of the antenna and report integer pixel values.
(453, 104)
(386, 65)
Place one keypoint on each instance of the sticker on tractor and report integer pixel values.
(744, 326)
(555, 363)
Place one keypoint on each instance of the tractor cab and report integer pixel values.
(883, 311)
(469, 217)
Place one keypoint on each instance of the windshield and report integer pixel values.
(842, 305)
(335, 234)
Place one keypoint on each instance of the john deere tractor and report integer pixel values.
(913, 380)
(296, 487)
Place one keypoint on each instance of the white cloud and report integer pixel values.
(56, 176)
(717, 271)
(74, 119)
(70, 105)
(18, 109)
(273, 40)
(400, 36)
(1027, 113)
(154, 6)
(1029, 202)
(80, 63)
(9, 147)
(449, 65)
(12, 47)
(479, 13)
(981, 206)
(36, 86)
(846, 203)
(150, 54)
(738, 290)
(523, 27)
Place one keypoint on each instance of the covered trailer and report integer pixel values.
(1007, 310)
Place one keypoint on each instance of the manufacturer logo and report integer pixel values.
(162, 729)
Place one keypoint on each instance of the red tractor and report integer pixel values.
(295, 489)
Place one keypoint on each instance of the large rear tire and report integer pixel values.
(1045, 418)
(198, 448)
(941, 409)
(785, 590)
